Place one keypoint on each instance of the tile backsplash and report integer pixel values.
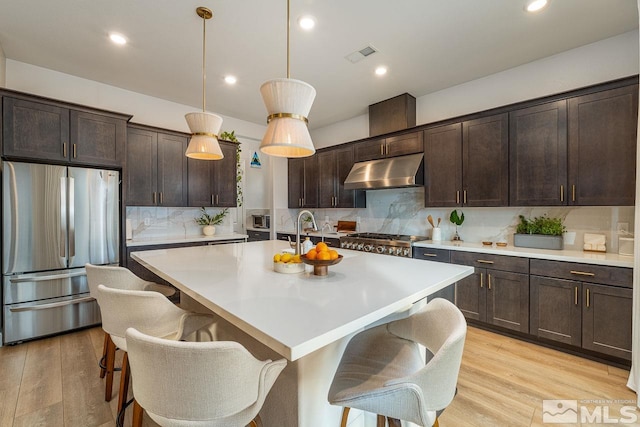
(402, 211)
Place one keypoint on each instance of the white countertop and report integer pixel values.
(296, 314)
(610, 259)
(148, 241)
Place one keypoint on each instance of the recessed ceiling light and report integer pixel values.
(231, 80)
(535, 5)
(306, 22)
(381, 71)
(118, 38)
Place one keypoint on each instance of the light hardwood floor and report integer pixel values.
(54, 382)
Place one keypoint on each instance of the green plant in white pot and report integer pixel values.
(208, 222)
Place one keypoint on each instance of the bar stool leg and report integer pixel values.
(111, 356)
(345, 416)
(125, 375)
(137, 414)
(393, 422)
(382, 421)
(103, 368)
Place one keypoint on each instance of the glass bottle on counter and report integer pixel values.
(306, 245)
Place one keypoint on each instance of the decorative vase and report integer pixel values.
(208, 230)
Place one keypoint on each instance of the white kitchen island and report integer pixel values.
(305, 318)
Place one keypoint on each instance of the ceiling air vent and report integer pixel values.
(359, 55)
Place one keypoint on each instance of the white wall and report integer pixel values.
(3, 67)
(598, 62)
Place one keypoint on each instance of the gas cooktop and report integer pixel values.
(388, 244)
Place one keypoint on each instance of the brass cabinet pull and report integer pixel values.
(561, 193)
(484, 261)
(489, 280)
(481, 280)
(464, 197)
(212, 200)
(382, 149)
(74, 151)
(161, 197)
(154, 197)
(458, 197)
(575, 297)
(64, 149)
(573, 193)
(217, 199)
(428, 254)
(588, 299)
(582, 273)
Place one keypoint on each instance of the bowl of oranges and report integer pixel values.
(286, 262)
(321, 257)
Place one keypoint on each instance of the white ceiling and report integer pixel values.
(427, 45)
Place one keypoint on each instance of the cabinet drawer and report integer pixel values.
(430, 254)
(495, 262)
(617, 276)
(255, 235)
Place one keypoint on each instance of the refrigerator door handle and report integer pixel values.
(63, 217)
(72, 221)
(50, 305)
(47, 278)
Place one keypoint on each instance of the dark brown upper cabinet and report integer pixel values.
(156, 168)
(538, 155)
(38, 130)
(214, 182)
(303, 182)
(334, 166)
(485, 161)
(466, 164)
(399, 145)
(602, 147)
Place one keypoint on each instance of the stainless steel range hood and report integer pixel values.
(393, 172)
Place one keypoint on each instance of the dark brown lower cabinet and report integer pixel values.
(591, 316)
(499, 295)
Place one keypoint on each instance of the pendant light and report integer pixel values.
(288, 103)
(204, 126)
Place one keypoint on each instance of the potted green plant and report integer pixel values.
(540, 232)
(209, 221)
(457, 220)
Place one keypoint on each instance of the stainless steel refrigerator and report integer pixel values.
(55, 220)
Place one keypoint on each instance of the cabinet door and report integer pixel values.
(538, 155)
(606, 320)
(35, 131)
(508, 300)
(141, 167)
(327, 178)
(602, 147)
(344, 163)
(295, 174)
(556, 307)
(200, 182)
(369, 150)
(310, 193)
(225, 177)
(485, 161)
(172, 170)
(97, 139)
(471, 296)
(400, 145)
(443, 165)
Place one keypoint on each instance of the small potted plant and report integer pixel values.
(540, 232)
(209, 221)
(457, 220)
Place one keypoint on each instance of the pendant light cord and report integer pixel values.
(204, 67)
(288, 29)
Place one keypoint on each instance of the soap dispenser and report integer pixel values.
(306, 245)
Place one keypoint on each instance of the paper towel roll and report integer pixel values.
(128, 230)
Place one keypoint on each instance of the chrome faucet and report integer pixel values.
(315, 228)
(326, 224)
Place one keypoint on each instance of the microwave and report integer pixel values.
(261, 221)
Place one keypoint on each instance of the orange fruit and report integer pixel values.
(333, 254)
(324, 256)
(311, 254)
(322, 246)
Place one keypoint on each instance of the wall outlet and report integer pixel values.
(147, 221)
(622, 228)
